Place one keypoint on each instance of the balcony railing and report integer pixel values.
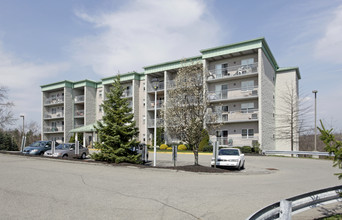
(233, 93)
(233, 71)
(159, 104)
(236, 140)
(54, 129)
(126, 94)
(160, 87)
(231, 116)
(79, 98)
(54, 100)
(160, 123)
(79, 113)
(78, 125)
(52, 116)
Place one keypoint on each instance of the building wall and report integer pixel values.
(68, 112)
(266, 103)
(285, 81)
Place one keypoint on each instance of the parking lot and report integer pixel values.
(41, 188)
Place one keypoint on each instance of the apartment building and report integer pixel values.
(244, 82)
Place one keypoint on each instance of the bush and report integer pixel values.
(163, 147)
(246, 149)
(182, 147)
(169, 148)
(208, 148)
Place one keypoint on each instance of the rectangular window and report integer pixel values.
(225, 108)
(53, 111)
(247, 107)
(100, 93)
(247, 85)
(247, 133)
(247, 61)
(225, 69)
(100, 108)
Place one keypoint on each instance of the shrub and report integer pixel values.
(205, 141)
(208, 148)
(246, 149)
(182, 147)
(163, 147)
(169, 148)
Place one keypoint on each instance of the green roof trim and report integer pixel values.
(171, 64)
(239, 47)
(123, 77)
(57, 85)
(286, 69)
(83, 83)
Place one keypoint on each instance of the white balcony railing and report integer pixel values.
(233, 71)
(54, 100)
(160, 87)
(52, 116)
(79, 98)
(231, 116)
(53, 129)
(79, 113)
(159, 104)
(233, 93)
(126, 94)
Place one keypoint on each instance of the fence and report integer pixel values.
(285, 208)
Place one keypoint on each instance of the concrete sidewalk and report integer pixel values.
(320, 212)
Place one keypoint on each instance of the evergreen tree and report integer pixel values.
(117, 131)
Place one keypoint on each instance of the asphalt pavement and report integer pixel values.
(43, 188)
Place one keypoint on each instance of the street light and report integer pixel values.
(155, 84)
(315, 92)
(22, 143)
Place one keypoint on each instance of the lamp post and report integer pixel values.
(22, 143)
(315, 92)
(155, 84)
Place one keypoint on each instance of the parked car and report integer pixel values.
(38, 147)
(66, 150)
(229, 157)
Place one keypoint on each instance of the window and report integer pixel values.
(100, 108)
(225, 108)
(100, 93)
(247, 61)
(247, 107)
(247, 85)
(221, 91)
(221, 69)
(222, 137)
(53, 111)
(247, 133)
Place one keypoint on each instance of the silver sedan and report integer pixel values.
(66, 150)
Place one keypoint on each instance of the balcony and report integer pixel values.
(79, 113)
(160, 123)
(78, 125)
(54, 101)
(160, 87)
(233, 116)
(126, 94)
(58, 115)
(79, 99)
(53, 129)
(235, 140)
(159, 105)
(233, 71)
(233, 94)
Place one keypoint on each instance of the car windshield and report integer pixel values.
(63, 146)
(38, 144)
(229, 152)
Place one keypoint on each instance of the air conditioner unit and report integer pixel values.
(254, 116)
(255, 92)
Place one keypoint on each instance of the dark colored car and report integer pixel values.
(38, 147)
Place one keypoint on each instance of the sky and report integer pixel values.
(46, 41)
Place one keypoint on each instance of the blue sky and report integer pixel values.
(42, 41)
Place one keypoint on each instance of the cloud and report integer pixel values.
(143, 33)
(23, 79)
(330, 45)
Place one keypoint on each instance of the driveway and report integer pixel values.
(41, 188)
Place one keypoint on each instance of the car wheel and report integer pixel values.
(239, 167)
(83, 156)
(243, 166)
(65, 156)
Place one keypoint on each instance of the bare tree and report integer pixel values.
(184, 113)
(6, 115)
(291, 116)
